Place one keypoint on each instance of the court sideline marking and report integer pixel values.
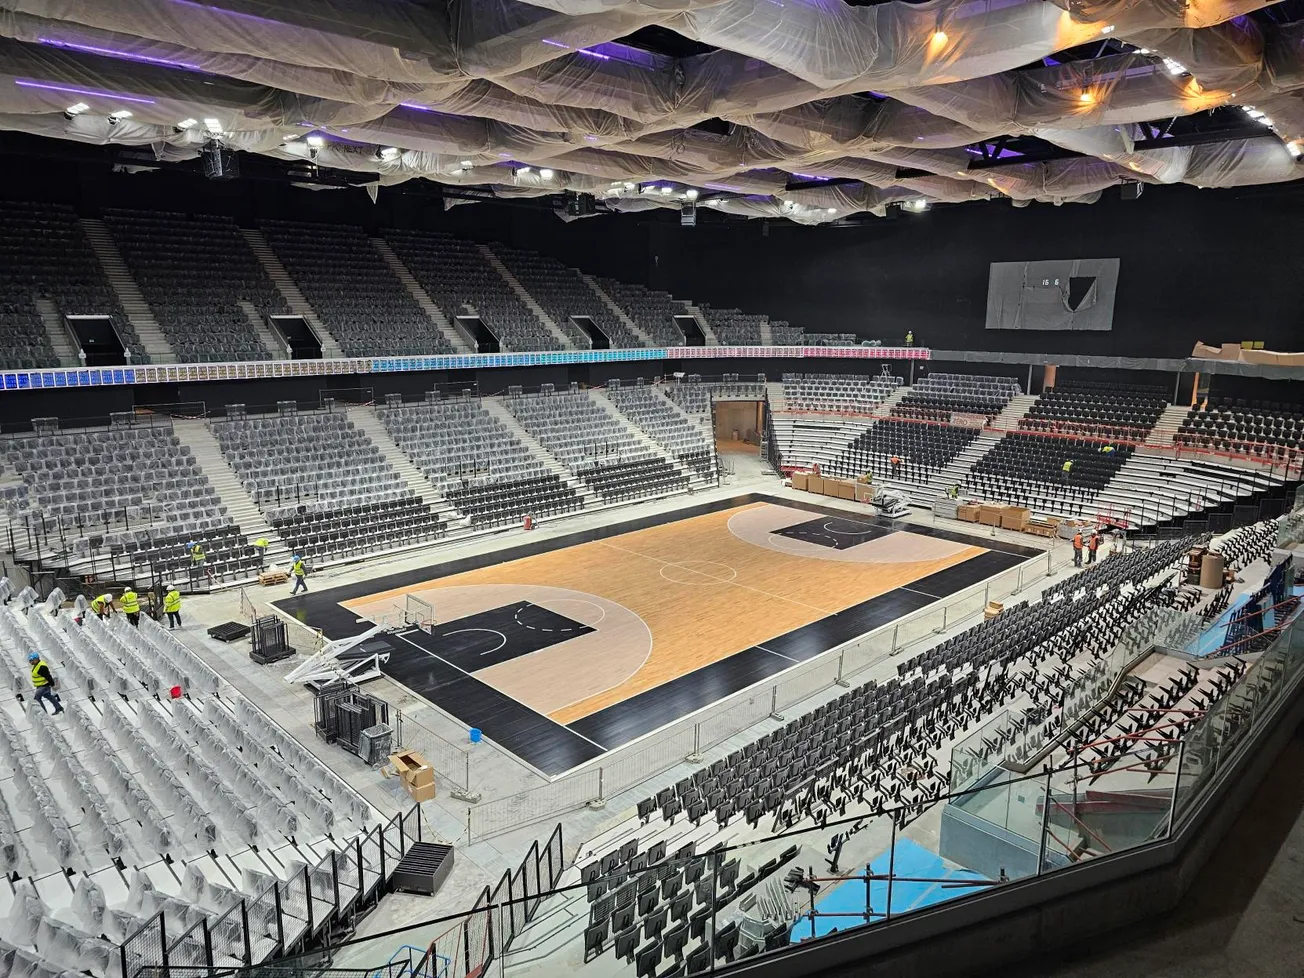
(671, 563)
(603, 747)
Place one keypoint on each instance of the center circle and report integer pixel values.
(699, 573)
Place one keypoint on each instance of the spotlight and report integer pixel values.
(1086, 98)
(457, 171)
(523, 170)
(628, 185)
(918, 206)
(74, 110)
(387, 153)
(545, 173)
(316, 142)
(213, 125)
(1107, 29)
(939, 37)
(467, 164)
(830, 210)
(667, 191)
(185, 124)
(1294, 149)
(691, 194)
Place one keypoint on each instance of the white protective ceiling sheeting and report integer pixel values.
(405, 90)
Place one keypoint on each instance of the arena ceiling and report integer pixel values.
(810, 110)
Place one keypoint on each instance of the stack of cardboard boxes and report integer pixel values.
(837, 488)
(417, 776)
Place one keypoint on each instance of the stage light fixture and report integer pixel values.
(118, 115)
(830, 210)
(185, 124)
(316, 142)
(389, 153)
(1293, 148)
(74, 110)
(213, 125)
(691, 194)
(467, 164)
(523, 170)
(667, 191)
(939, 37)
(545, 173)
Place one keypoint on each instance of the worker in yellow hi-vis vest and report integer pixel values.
(172, 605)
(131, 606)
(103, 606)
(43, 682)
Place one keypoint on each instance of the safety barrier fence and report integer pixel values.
(1064, 815)
(690, 737)
(284, 917)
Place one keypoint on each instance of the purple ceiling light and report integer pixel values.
(111, 53)
(73, 90)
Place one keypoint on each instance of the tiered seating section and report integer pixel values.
(595, 445)
(44, 254)
(837, 393)
(131, 485)
(1269, 429)
(651, 311)
(476, 462)
(940, 396)
(324, 486)
(461, 282)
(732, 327)
(921, 449)
(131, 780)
(1029, 469)
(195, 272)
(562, 294)
(651, 411)
(353, 292)
(1115, 412)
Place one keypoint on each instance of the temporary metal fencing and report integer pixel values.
(688, 738)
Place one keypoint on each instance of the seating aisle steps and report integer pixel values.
(1152, 487)
(695, 480)
(514, 284)
(239, 504)
(774, 394)
(495, 406)
(59, 341)
(330, 349)
(1161, 435)
(767, 334)
(884, 408)
(365, 420)
(1009, 417)
(805, 439)
(264, 332)
(139, 314)
(435, 314)
(616, 311)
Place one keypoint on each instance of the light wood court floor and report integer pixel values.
(703, 593)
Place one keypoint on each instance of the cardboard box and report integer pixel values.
(799, 480)
(815, 484)
(425, 792)
(831, 487)
(412, 769)
(846, 490)
(993, 609)
(1015, 518)
(990, 515)
(864, 493)
(968, 512)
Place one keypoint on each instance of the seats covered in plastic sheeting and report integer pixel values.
(197, 677)
(17, 962)
(75, 949)
(25, 914)
(99, 821)
(145, 900)
(208, 782)
(158, 832)
(214, 896)
(89, 905)
(35, 797)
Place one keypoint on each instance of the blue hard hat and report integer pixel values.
(295, 557)
(33, 657)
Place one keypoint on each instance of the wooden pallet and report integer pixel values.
(269, 577)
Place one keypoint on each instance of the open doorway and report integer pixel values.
(739, 426)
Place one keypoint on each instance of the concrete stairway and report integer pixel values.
(365, 420)
(54, 329)
(774, 394)
(264, 332)
(330, 349)
(415, 289)
(496, 407)
(617, 311)
(703, 421)
(767, 334)
(1169, 423)
(604, 402)
(141, 317)
(960, 466)
(884, 408)
(230, 490)
(703, 325)
(549, 323)
(1010, 415)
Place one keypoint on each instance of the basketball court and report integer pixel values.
(562, 651)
